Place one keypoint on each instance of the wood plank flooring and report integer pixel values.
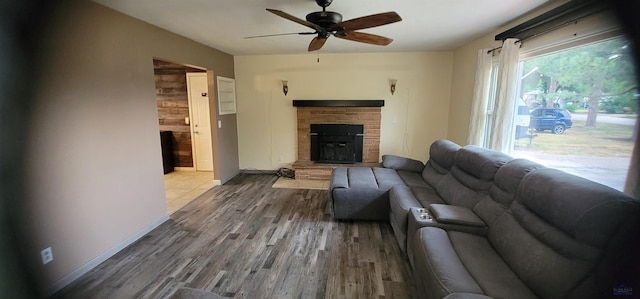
(247, 240)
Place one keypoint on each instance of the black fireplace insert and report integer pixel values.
(336, 143)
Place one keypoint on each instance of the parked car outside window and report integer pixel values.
(554, 119)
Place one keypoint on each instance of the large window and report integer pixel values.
(577, 111)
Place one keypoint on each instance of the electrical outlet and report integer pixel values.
(47, 255)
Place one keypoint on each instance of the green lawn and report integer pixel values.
(607, 140)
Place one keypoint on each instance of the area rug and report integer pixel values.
(283, 182)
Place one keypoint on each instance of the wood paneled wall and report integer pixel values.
(173, 107)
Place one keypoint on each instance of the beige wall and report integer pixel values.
(94, 161)
(412, 118)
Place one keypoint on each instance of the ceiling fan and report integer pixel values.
(327, 23)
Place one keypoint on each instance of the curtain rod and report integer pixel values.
(553, 28)
(498, 48)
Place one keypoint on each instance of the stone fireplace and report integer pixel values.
(365, 113)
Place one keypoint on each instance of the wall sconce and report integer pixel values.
(285, 87)
(392, 82)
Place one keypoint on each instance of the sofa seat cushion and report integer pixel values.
(413, 179)
(362, 192)
(426, 196)
(450, 262)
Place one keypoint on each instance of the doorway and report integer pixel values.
(185, 181)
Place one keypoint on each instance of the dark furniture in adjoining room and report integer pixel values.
(166, 142)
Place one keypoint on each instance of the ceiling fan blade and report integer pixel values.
(317, 43)
(369, 21)
(366, 38)
(279, 34)
(294, 19)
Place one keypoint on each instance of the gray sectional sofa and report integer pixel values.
(476, 223)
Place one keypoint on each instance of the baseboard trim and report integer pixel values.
(71, 277)
(184, 168)
(224, 181)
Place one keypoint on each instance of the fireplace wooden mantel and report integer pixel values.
(338, 103)
(351, 112)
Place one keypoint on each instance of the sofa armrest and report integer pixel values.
(402, 163)
(449, 214)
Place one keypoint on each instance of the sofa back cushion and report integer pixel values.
(557, 230)
(441, 156)
(503, 189)
(585, 210)
(471, 175)
(480, 162)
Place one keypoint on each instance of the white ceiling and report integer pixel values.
(426, 24)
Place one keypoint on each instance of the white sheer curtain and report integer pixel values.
(478, 122)
(632, 186)
(502, 137)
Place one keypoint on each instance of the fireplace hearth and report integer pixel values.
(336, 143)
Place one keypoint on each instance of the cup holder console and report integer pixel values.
(422, 214)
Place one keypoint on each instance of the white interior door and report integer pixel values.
(197, 88)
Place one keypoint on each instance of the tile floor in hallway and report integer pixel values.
(182, 187)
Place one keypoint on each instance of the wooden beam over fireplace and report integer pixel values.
(338, 103)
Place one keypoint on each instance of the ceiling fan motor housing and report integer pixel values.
(324, 19)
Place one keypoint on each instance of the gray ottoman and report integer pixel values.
(362, 193)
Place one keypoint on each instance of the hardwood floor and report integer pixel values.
(247, 240)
